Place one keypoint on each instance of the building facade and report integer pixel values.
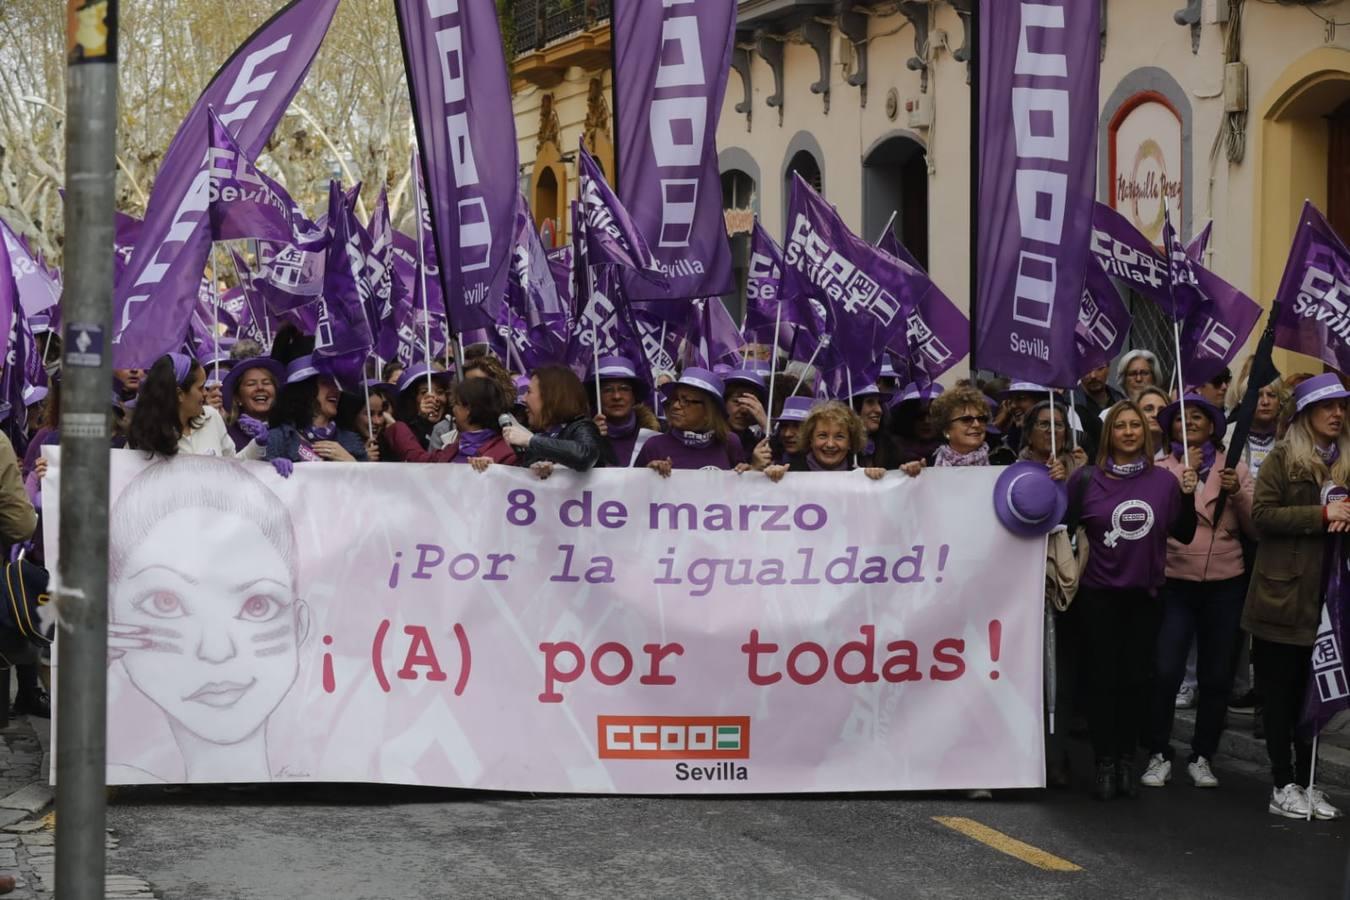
(1231, 111)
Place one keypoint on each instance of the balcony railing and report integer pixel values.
(539, 23)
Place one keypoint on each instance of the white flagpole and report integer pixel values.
(661, 348)
(422, 278)
(1312, 777)
(887, 230)
(215, 316)
(1176, 339)
(773, 369)
(595, 358)
(370, 423)
(459, 369)
(820, 345)
(1052, 425)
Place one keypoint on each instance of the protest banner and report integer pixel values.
(599, 633)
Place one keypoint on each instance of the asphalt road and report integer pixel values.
(379, 842)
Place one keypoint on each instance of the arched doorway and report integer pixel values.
(1302, 143)
(548, 195)
(895, 180)
(805, 164)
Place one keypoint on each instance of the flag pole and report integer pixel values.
(820, 345)
(773, 369)
(215, 317)
(370, 423)
(1312, 775)
(887, 230)
(595, 362)
(1176, 339)
(459, 368)
(1052, 425)
(422, 274)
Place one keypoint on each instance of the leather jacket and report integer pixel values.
(578, 446)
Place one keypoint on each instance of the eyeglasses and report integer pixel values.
(679, 400)
(968, 420)
(1045, 426)
(1139, 373)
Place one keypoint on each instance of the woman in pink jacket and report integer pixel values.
(1204, 593)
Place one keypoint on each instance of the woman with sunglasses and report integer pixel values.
(700, 436)
(961, 416)
(1036, 442)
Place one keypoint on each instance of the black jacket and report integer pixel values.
(578, 446)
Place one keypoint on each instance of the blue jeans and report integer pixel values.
(1210, 613)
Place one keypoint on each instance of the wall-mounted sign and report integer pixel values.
(739, 221)
(1145, 164)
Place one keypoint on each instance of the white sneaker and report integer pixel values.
(1289, 801)
(1201, 774)
(1185, 697)
(1322, 809)
(1158, 773)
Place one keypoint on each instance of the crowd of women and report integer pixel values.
(1141, 483)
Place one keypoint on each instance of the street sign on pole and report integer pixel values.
(82, 595)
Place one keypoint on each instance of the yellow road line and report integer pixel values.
(1002, 843)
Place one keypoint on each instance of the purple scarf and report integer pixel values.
(1128, 470)
(624, 427)
(1208, 453)
(471, 444)
(1329, 455)
(946, 456)
(695, 440)
(316, 433)
(816, 465)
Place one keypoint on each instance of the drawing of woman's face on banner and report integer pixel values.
(203, 569)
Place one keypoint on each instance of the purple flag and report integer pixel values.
(712, 336)
(1126, 254)
(1314, 297)
(126, 232)
(560, 266)
(671, 69)
(531, 292)
(250, 92)
(9, 303)
(381, 287)
(608, 235)
(1329, 687)
(1200, 243)
(342, 336)
(1037, 173)
(452, 50)
(868, 295)
(38, 290)
(937, 335)
(764, 294)
(1184, 293)
(246, 203)
(1216, 329)
(1103, 322)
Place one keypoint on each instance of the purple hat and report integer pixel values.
(700, 379)
(921, 394)
(215, 362)
(1022, 387)
(413, 373)
(241, 368)
(33, 394)
(522, 387)
(796, 409)
(1027, 501)
(867, 390)
(887, 368)
(619, 368)
(1168, 414)
(301, 369)
(752, 377)
(39, 324)
(1318, 388)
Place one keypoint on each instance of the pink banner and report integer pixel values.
(612, 632)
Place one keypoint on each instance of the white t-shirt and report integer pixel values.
(213, 439)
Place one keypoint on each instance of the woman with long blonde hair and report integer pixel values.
(1300, 509)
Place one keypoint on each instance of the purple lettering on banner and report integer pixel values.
(1314, 294)
(155, 296)
(457, 77)
(1038, 145)
(671, 68)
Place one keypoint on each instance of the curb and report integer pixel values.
(1333, 758)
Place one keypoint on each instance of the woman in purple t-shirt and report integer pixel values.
(699, 436)
(1128, 507)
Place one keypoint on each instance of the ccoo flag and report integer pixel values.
(1314, 297)
(671, 66)
(461, 95)
(1037, 174)
(155, 295)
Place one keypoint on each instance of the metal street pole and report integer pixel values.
(86, 371)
